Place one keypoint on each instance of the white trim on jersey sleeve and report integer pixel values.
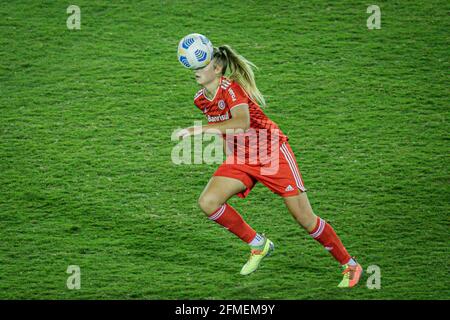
(198, 94)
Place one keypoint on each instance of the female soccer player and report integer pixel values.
(232, 104)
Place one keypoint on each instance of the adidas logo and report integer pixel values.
(289, 188)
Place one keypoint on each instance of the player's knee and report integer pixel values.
(209, 203)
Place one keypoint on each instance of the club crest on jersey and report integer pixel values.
(221, 104)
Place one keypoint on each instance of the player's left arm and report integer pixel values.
(240, 119)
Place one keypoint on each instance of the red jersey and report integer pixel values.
(230, 94)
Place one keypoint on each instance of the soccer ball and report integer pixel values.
(195, 51)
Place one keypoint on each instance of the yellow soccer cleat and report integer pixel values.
(256, 256)
(352, 274)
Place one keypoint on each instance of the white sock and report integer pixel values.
(351, 262)
(257, 241)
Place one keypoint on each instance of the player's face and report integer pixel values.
(207, 74)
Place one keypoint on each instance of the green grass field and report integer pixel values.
(87, 178)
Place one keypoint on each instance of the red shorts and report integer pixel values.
(282, 177)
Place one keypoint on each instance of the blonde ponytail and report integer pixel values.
(241, 71)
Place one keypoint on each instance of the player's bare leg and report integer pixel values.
(213, 203)
(301, 210)
(217, 192)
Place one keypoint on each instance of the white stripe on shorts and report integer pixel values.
(292, 166)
